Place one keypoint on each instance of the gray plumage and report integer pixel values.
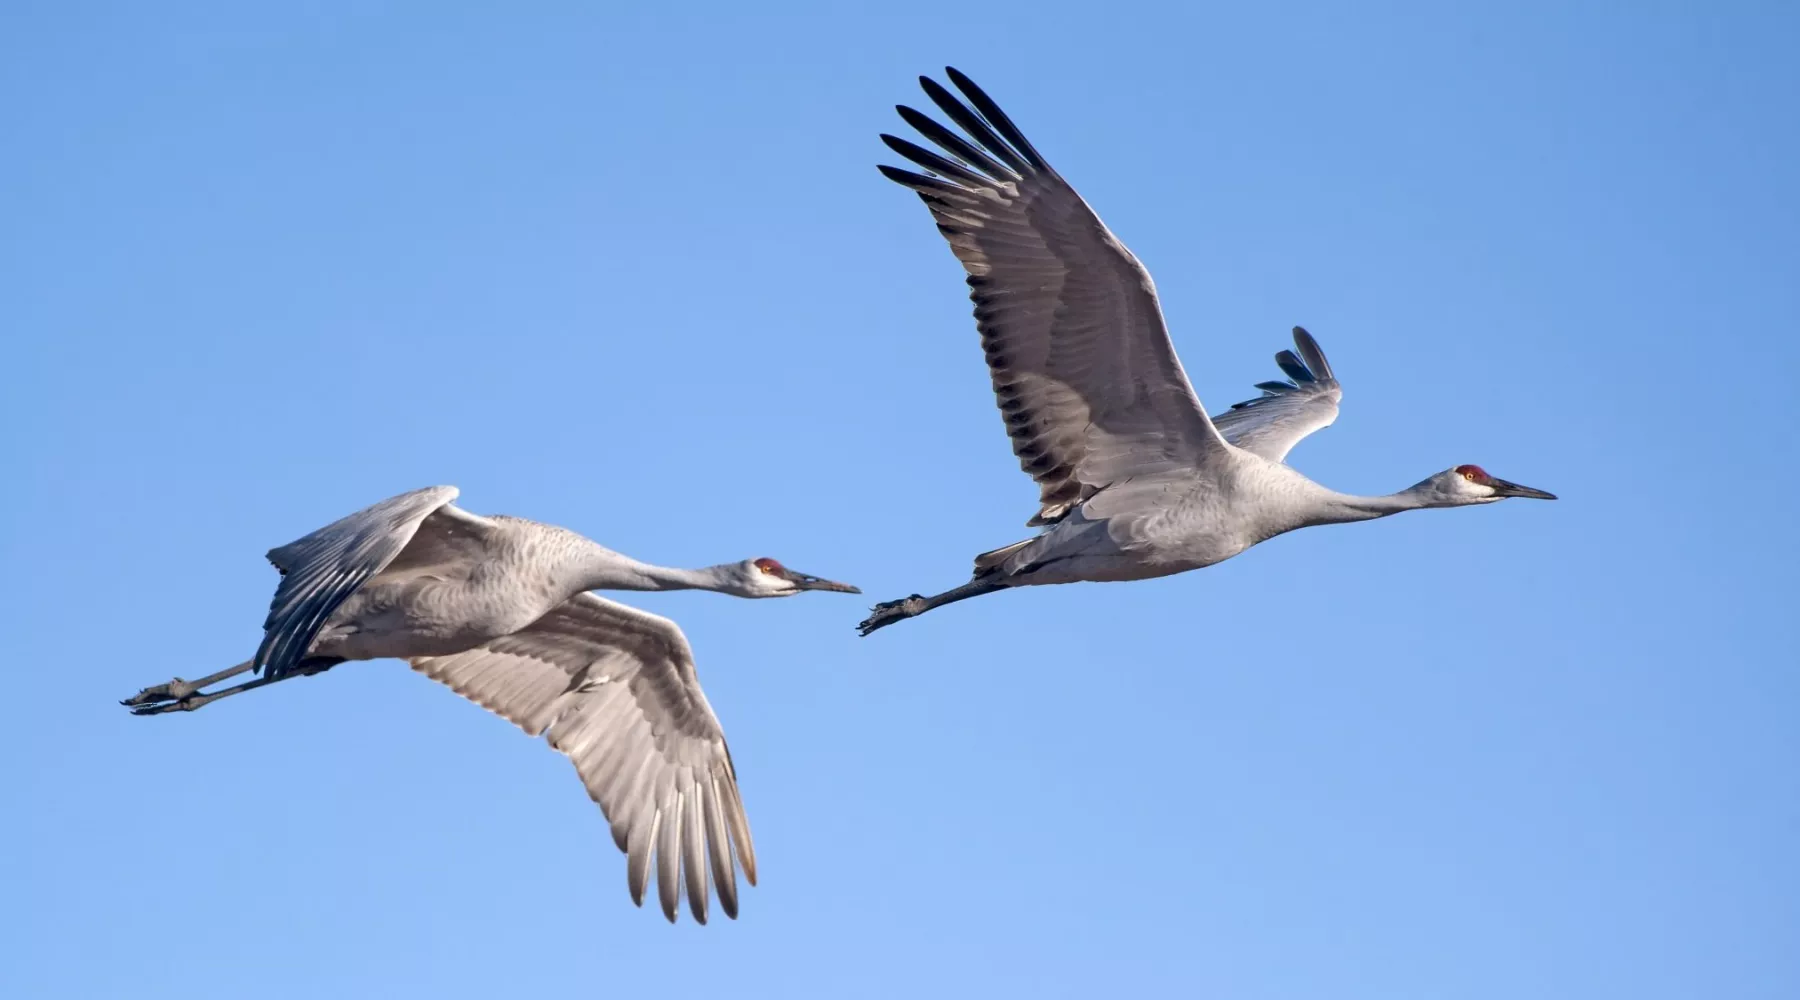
(1271, 424)
(1135, 480)
(498, 610)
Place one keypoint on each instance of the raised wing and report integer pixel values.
(1271, 424)
(616, 690)
(319, 572)
(1082, 366)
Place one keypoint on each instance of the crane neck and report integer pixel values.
(1342, 508)
(608, 570)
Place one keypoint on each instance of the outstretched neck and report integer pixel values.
(1340, 508)
(612, 571)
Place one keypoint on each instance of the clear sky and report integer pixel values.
(633, 272)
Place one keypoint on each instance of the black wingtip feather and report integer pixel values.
(958, 147)
(1310, 350)
(933, 162)
(991, 111)
(973, 124)
(935, 190)
(906, 177)
(1295, 369)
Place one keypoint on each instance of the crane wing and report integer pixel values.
(615, 689)
(1086, 378)
(1271, 424)
(319, 572)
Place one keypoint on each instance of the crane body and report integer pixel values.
(498, 609)
(1135, 478)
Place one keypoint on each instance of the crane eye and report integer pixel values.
(768, 566)
(1473, 473)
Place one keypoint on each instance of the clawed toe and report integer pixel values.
(178, 705)
(870, 624)
(172, 696)
(889, 612)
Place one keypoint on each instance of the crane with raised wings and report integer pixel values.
(1134, 479)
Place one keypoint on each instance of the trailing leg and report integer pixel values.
(185, 696)
(889, 612)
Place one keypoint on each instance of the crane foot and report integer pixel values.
(175, 690)
(176, 696)
(889, 612)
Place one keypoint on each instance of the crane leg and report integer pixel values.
(185, 696)
(888, 612)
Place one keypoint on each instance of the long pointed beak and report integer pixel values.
(1502, 488)
(805, 582)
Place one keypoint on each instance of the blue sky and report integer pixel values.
(634, 272)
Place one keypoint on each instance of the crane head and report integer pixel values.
(769, 578)
(1468, 484)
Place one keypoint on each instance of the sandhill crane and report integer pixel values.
(498, 609)
(1134, 479)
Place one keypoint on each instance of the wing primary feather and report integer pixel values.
(1291, 364)
(718, 842)
(954, 144)
(668, 853)
(996, 117)
(740, 826)
(637, 859)
(972, 124)
(693, 843)
(935, 163)
(926, 186)
(1315, 358)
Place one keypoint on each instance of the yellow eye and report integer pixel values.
(768, 566)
